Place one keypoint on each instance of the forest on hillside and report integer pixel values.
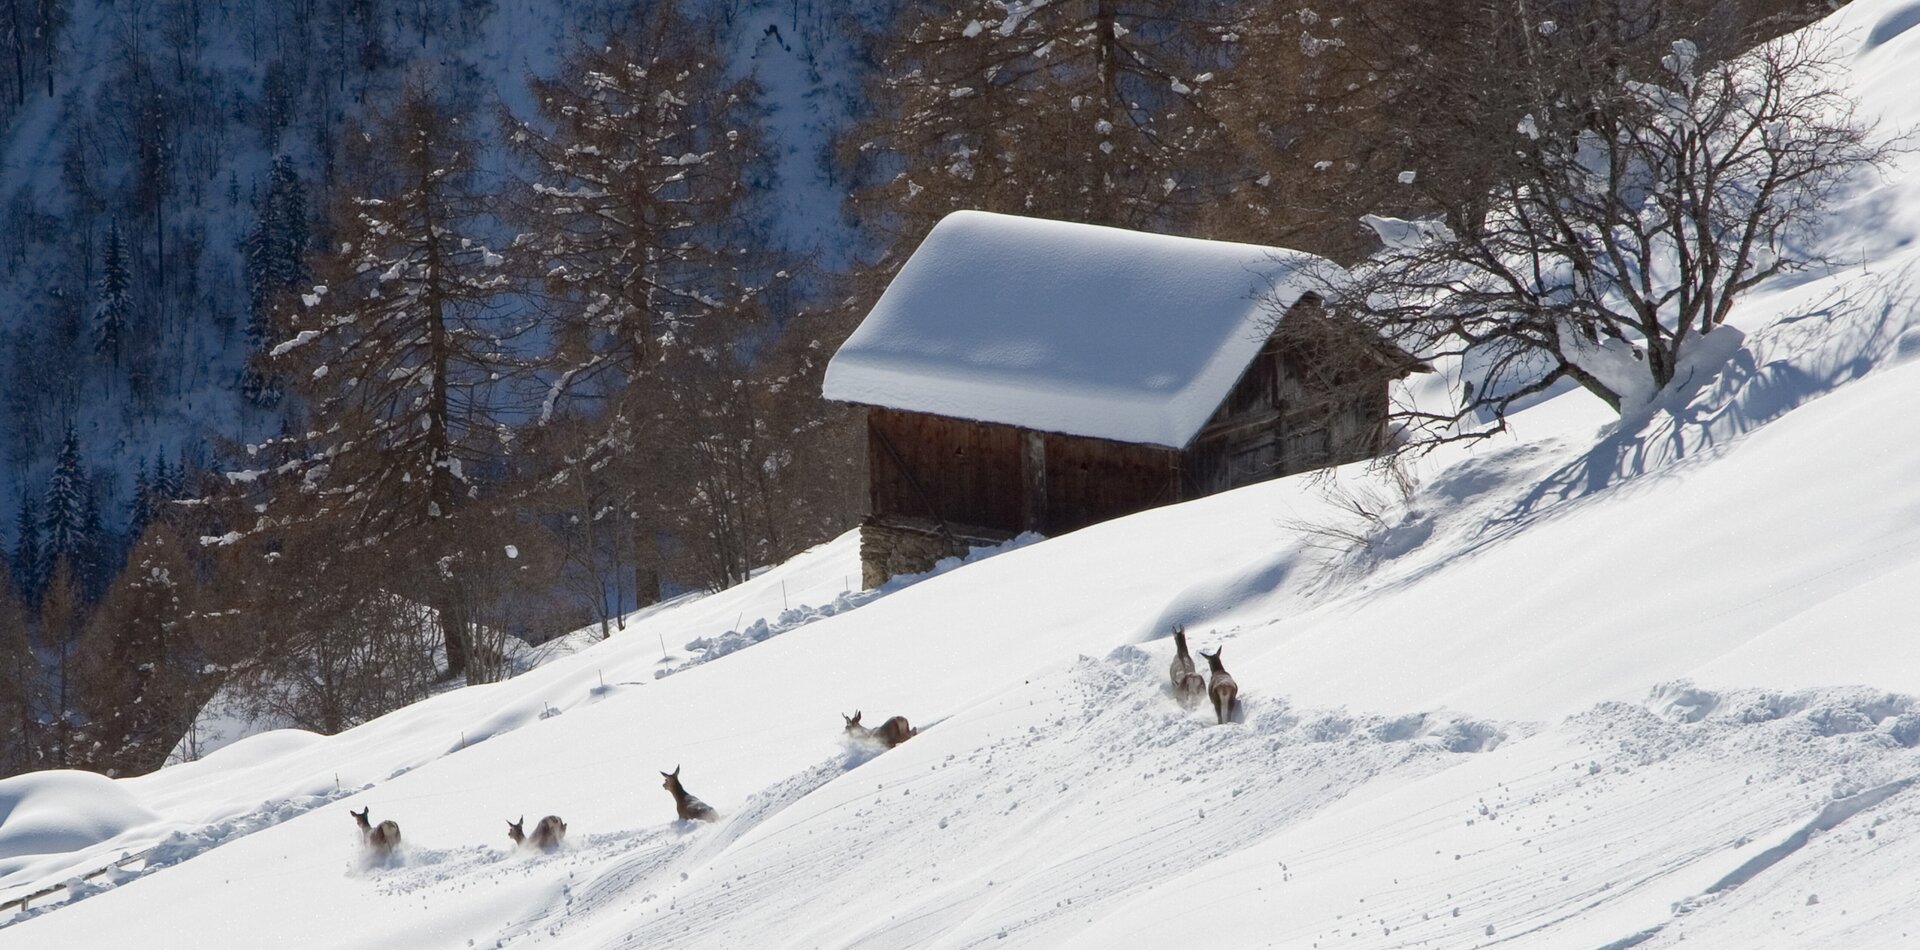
(342, 340)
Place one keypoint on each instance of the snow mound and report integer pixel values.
(57, 811)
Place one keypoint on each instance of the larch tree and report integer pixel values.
(140, 684)
(1096, 111)
(402, 360)
(20, 683)
(638, 165)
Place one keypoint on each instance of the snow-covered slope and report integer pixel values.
(1594, 686)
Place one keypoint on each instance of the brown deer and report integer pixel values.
(383, 839)
(688, 807)
(890, 733)
(1188, 686)
(547, 835)
(1221, 688)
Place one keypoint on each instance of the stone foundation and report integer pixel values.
(894, 545)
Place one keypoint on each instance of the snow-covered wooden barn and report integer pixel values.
(1030, 375)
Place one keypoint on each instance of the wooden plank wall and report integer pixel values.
(1311, 398)
(1093, 480)
(968, 471)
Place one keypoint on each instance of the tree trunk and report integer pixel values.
(455, 627)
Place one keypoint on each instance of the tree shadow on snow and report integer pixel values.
(1856, 327)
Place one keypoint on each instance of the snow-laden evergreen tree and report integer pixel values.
(169, 481)
(113, 309)
(65, 504)
(275, 259)
(403, 362)
(60, 620)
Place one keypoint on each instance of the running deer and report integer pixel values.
(1188, 686)
(382, 839)
(547, 835)
(688, 807)
(1221, 688)
(890, 733)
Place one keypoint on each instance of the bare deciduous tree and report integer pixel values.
(1643, 184)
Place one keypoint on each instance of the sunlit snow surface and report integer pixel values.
(1592, 686)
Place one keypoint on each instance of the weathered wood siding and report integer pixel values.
(1094, 480)
(1313, 397)
(1003, 478)
(951, 470)
(1316, 395)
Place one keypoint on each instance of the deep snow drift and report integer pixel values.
(1595, 686)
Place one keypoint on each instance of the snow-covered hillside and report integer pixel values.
(1596, 685)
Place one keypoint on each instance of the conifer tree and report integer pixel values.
(28, 561)
(275, 259)
(167, 480)
(141, 512)
(65, 504)
(91, 563)
(639, 165)
(114, 308)
(60, 617)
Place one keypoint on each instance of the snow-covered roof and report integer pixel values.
(1069, 328)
